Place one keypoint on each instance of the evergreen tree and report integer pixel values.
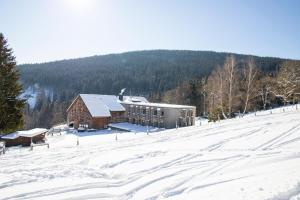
(11, 106)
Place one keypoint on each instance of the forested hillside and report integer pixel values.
(148, 73)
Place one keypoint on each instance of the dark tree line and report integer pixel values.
(160, 75)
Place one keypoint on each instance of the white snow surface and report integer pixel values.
(32, 93)
(32, 132)
(254, 157)
(28, 133)
(101, 105)
(11, 136)
(134, 127)
(130, 99)
(165, 105)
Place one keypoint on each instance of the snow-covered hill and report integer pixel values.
(255, 157)
(32, 93)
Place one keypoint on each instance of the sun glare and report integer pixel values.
(80, 5)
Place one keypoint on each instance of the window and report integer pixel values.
(183, 113)
(162, 113)
(155, 112)
(191, 113)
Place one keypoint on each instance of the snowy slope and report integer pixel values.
(255, 157)
(32, 93)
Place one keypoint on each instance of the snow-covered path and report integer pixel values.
(255, 157)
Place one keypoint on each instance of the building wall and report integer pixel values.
(180, 117)
(163, 117)
(24, 141)
(100, 123)
(117, 116)
(79, 114)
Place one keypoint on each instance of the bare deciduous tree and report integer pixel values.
(230, 77)
(249, 74)
(215, 92)
(286, 82)
(222, 88)
(265, 88)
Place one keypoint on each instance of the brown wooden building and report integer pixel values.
(98, 111)
(95, 111)
(25, 138)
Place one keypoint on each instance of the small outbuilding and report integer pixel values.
(25, 138)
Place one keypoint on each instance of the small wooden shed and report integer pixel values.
(25, 138)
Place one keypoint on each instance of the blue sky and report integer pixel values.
(47, 30)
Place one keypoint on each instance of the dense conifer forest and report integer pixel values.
(174, 76)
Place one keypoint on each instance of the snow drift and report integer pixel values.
(255, 157)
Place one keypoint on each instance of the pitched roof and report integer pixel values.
(28, 133)
(10, 136)
(32, 132)
(135, 99)
(101, 105)
(162, 105)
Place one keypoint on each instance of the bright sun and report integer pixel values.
(80, 5)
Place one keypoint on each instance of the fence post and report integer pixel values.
(147, 130)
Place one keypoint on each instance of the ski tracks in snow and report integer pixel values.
(172, 164)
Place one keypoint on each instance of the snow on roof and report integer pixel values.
(162, 105)
(32, 132)
(28, 133)
(134, 127)
(112, 102)
(135, 99)
(101, 105)
(10, 136)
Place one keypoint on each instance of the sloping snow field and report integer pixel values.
(255, 157)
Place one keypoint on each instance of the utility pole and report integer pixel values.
(271, 110)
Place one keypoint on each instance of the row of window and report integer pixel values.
(137, 110)
(145, 122)
(187, 113)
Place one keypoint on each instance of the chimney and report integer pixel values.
(121, 94)
(121, 97)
